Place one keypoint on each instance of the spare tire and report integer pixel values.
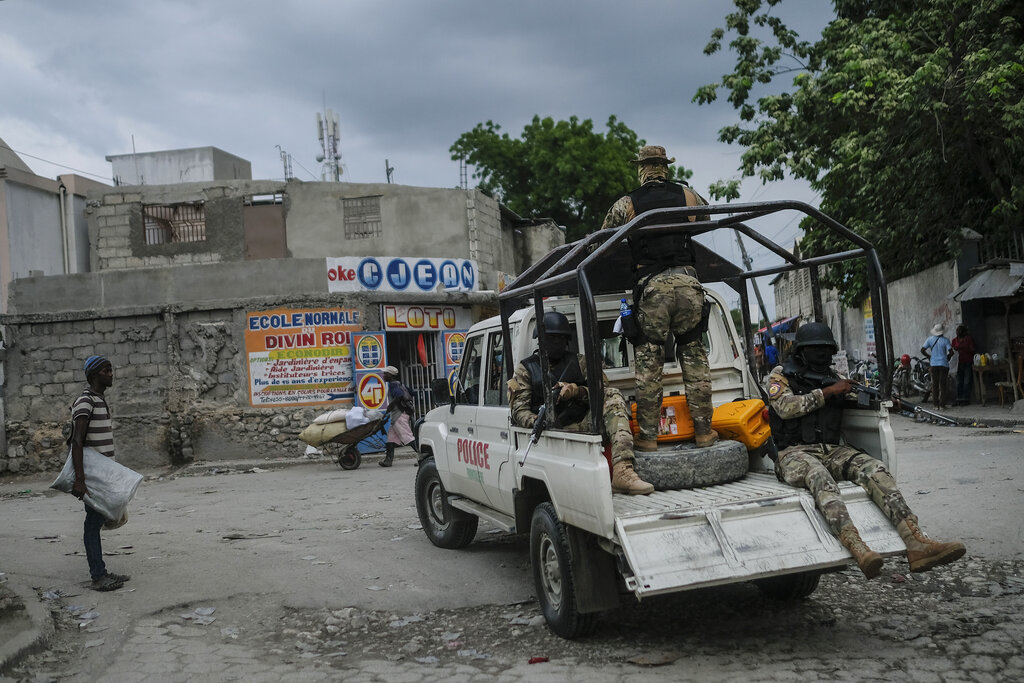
(684, 466)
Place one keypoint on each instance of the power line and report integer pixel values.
(70, 168)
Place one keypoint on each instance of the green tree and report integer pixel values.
(563, 170)
(907, 117)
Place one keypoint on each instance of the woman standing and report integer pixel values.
(401, 407)
(964, 345)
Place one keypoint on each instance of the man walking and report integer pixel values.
(939, 351)
(668, 298)
(92, 428)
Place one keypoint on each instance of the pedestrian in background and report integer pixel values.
(963, 343)
(939, 351)
(402, 408)
(93, 428)
(771, 354)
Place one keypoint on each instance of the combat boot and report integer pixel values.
(868, 560)
(705, 440)
(645, 445)
(625, 480)
(922, 552)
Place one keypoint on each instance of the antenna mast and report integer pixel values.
(286, 161)
(330, 157)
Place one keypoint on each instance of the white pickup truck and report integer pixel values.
(588, 545)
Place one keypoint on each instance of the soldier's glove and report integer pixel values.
(569, 391)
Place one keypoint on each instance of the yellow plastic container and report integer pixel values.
(741, 421)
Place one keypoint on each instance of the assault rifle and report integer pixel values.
(865, 394)
(541, 422)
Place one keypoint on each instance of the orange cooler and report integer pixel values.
(741, 421)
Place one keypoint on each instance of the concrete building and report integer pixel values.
(193, 165)
(43, 226)
(236, 311)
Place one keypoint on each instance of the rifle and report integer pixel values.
(542, 420)
(865, 394)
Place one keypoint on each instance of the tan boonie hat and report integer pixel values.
(652, 154)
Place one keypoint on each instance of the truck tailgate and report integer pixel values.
(748, 529)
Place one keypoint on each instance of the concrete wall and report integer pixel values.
(197, 164)
(181, 383)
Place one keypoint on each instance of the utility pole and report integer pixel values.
(748, 264)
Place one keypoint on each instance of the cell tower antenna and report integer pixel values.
(330, 154)
(388, 170)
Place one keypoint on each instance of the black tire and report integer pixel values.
(685, 466)
(789, 586)
(349, 458)
(553, 575)
(445, 526)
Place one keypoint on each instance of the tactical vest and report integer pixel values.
(658, 252)
(819, 426)
(567, 412)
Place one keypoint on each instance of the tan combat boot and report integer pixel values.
(648, 446)
(868, 560)
(922, 552)
(625, 480)
(705, 440)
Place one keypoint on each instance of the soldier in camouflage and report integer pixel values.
(568, 372)
(806, 399)
(671, 299)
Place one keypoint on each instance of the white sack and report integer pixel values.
(111, 486)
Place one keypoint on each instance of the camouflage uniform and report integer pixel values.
(615, 418)
(671, 301)
(817, 467)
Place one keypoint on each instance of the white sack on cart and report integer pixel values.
(332, 416)
(110, 485)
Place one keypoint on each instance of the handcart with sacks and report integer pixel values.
(343, 434)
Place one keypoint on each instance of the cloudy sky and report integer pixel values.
(82, 80)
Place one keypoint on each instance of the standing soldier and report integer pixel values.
(668, 298)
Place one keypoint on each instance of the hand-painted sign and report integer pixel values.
(368, 351)
(454, 345)
(371, 391)
(424, 318)
(392, 274)
(300, 357)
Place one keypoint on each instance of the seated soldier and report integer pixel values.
(806, 399)
(568, 372)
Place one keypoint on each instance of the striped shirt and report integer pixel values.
(100, 434)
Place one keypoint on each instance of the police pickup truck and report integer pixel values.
(588, 545)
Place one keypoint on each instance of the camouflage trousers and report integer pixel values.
(615, 425)
(817, 468)
(671, 302)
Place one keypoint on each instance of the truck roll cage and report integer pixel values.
(600, 263)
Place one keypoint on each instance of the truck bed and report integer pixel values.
(751, 528)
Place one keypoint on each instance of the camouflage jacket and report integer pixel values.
(520, 391)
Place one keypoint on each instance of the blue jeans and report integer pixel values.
(93, 548)
(964, 375)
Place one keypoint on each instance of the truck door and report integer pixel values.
(461, 444)
(492, 427)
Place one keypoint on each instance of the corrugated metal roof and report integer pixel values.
(994, 283)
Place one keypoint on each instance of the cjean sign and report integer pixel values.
(401, 274)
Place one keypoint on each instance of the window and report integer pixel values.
(362, 217)
(496, 389)
(469, 372)
(173, 223)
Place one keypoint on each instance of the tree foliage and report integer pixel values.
(563, 170)
(907, 117)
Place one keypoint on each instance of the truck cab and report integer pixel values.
(588, 544)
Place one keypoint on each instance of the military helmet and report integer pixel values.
(556, 323)
(815, 334)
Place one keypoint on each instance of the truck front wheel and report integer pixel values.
(445, 526)
(553, 575)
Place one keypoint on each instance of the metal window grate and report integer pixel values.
(173, 223)
(362, 217)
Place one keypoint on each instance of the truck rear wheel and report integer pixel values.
(789, 586)
(554, 575)
(685, 466)
(445, 526)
